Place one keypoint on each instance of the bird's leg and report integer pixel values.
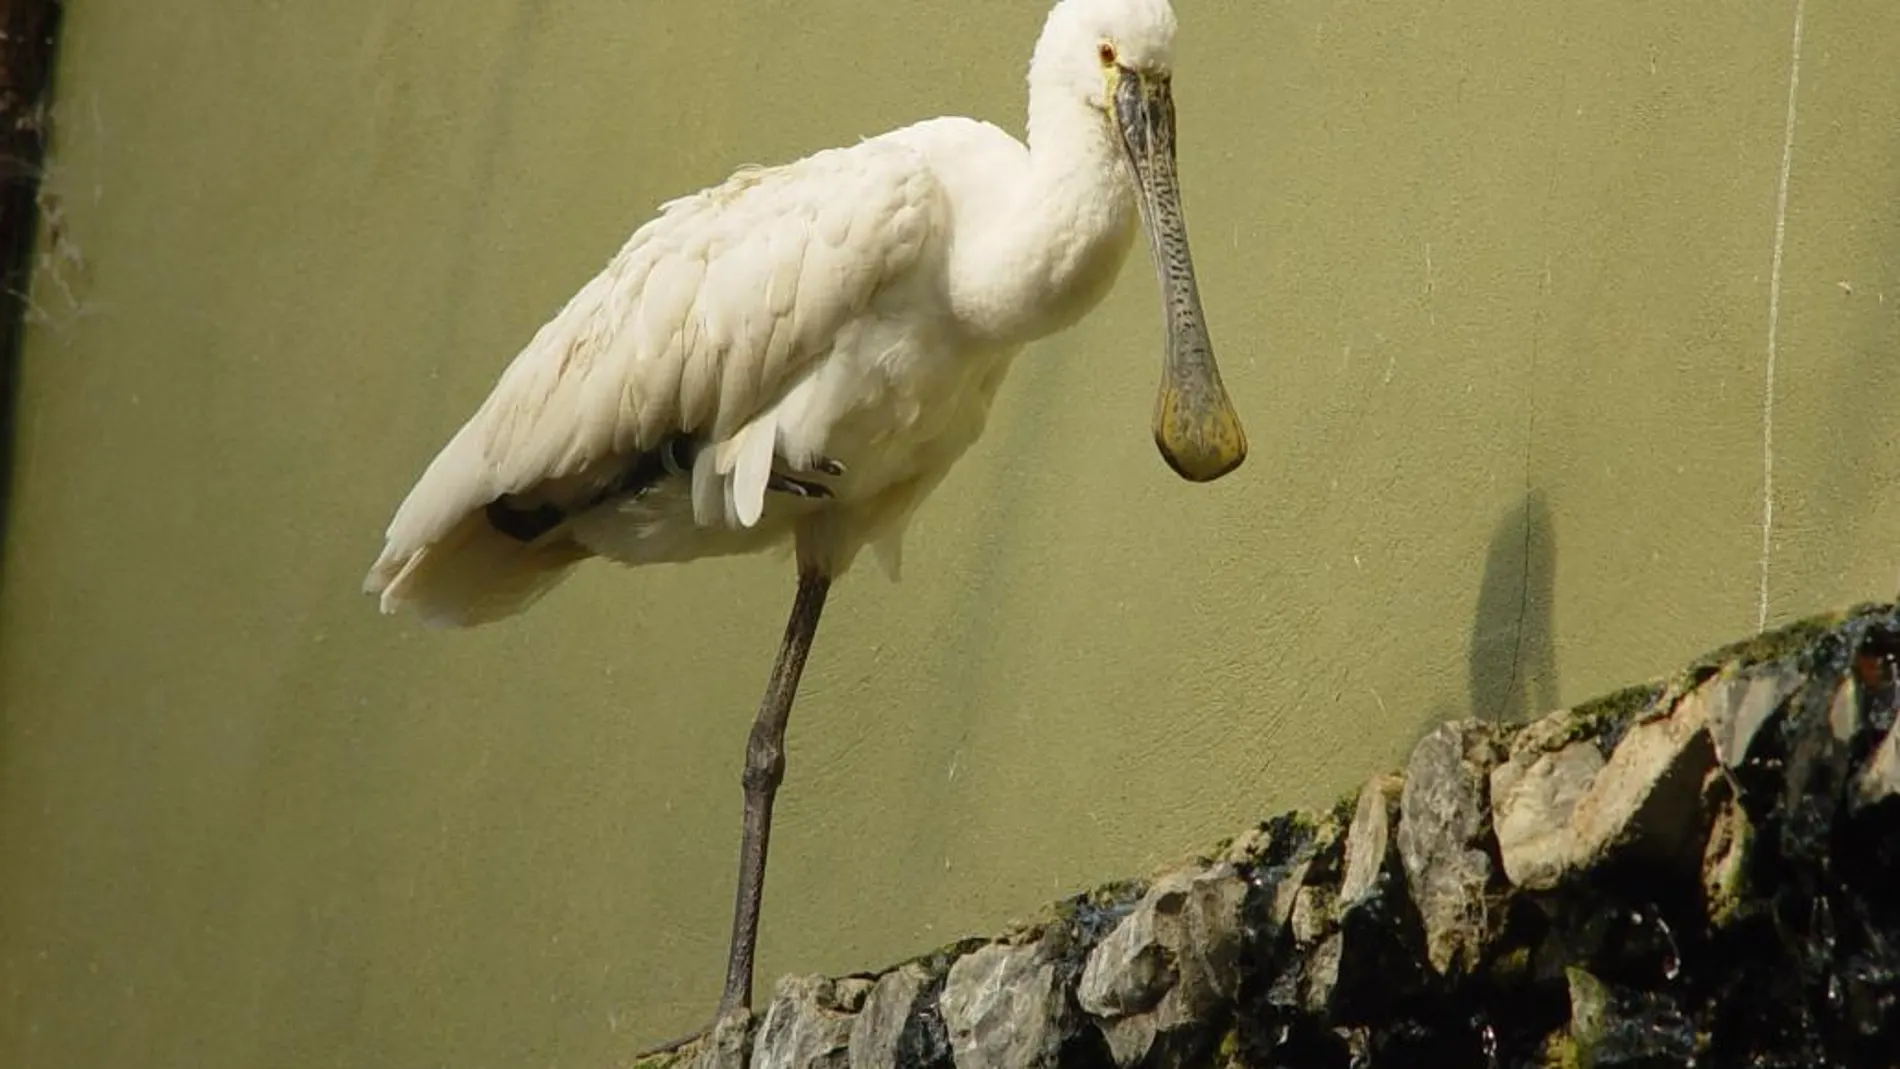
(764, 770)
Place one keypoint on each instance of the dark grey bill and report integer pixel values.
(1195, 425)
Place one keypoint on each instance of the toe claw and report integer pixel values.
(785, 484)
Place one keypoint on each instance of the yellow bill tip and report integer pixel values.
(1201, 439)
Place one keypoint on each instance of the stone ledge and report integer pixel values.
(1701, 870)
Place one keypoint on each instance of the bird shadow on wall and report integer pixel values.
(1512, 664)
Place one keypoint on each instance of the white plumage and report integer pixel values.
(802, 352)
(704, 322)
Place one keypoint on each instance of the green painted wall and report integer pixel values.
(1491, 283)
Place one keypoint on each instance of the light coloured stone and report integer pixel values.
(1738, 704)
(808, 1024)
(1320, 977)
(1167, 964)
(1879, 779)
(1286, 894)
(1002, 1009)
(1533, 796)
(730, 1044)
(1646, 795)
(1369, 840)
(1312, 915)
(1843, 713)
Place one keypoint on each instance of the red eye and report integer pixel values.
(1107, 52)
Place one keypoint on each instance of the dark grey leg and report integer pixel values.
(764, 770)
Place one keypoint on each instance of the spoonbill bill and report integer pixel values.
(800, 354)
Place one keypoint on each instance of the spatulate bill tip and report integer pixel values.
(1201, 441)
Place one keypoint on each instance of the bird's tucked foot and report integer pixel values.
(802, 487)
(785, 484)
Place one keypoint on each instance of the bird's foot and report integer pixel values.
(724, 1038)
(785, 484)
(800, 487)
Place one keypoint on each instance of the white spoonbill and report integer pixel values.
(802, 352)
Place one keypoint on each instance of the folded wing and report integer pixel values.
(702, 321)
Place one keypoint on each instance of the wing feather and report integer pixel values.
(752, 467)
(706, 316)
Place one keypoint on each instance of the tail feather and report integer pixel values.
(472, 575)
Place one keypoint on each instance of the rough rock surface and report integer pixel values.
(1169, 965)
(1533, 796)
(1644, 799)
(1444, 826)
(808, 1024)
(1003, 1007)
(1700, 871)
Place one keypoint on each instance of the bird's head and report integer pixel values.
(1093, 46)
(1118, 57)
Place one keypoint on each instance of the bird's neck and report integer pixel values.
(1068, 225)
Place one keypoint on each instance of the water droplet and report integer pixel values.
(1672, 962)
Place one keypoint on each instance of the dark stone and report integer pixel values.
(1819, 749)
(1611, 1026)
(1374, 961)
(1726, 894)
(1741, 704)
(1279, 860)
(879, 1035)
(1879, 778)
